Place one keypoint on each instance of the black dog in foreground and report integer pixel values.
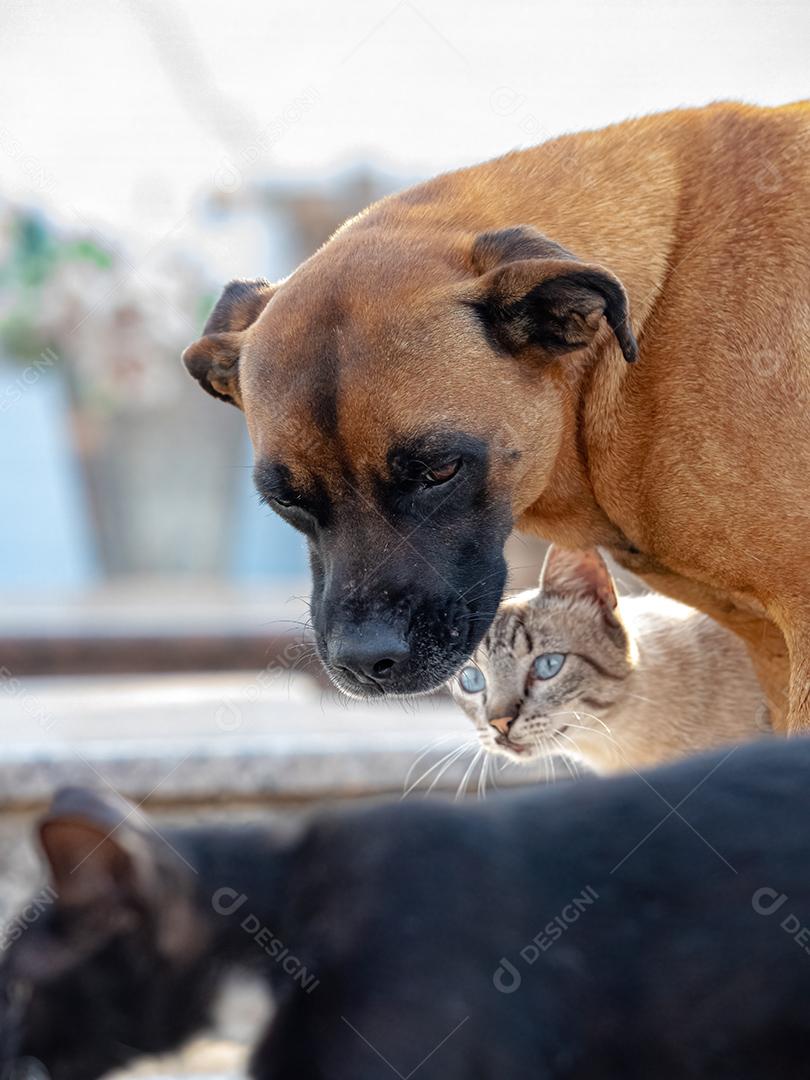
(640, 927)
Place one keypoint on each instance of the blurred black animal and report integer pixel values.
(645, 926)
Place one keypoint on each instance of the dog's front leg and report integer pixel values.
(798, 722)
(769, 655)
(797, 635)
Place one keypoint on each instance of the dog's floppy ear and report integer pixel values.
(531, 292)
(214, 359)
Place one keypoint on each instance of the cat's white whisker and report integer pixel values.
(462, 787)
(606, 734)
(618, 747)
(434, 744)
(448, 765)
(482, 776)
(590, 730)
(498, 766)
(649, 701)
(494, 769)
(448, 758)
(568, 756)
(550, 754)
(579, 715)
(541, 746)
(593, 716)
(561, 751)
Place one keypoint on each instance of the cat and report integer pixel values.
(569, 669)
(638, 926)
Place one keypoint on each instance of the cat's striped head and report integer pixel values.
(552, 664)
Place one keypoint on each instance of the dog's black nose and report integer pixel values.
(371, 653)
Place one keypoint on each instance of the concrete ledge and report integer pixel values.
(212, 739)
(153, 627)
(257, 769)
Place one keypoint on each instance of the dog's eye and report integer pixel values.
(440, 475)
(289, 501)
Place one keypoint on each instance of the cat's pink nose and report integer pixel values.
(502, 724)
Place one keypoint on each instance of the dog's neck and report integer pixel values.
(596, 213)
(595, 210)
(568, 511)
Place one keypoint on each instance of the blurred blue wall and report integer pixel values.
(45, 535)
(264, 546)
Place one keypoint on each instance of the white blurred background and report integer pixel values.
(133, 110)
(149, 151)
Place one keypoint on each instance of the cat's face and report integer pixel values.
(552, 664)
(117, 966)
(94, 997)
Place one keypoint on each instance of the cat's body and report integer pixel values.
(641, 680)
(581, 932)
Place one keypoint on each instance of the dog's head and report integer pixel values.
(407, 397)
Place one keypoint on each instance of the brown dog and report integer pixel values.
(461, 357)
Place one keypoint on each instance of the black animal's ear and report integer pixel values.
(96, 851)
(214, 359)
(105, 860)
(532, 292)
(582, 574)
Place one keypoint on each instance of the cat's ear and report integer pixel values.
(104, 861)
(94, 848)
(214, 360)
(582, 574)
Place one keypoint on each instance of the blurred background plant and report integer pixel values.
(158, 482)
(70, 294)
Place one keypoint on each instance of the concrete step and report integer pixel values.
(207, 738)
(153, 627)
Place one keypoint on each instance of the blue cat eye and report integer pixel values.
(472, 680)
(548, 664)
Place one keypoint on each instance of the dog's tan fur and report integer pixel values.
(693, 465)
